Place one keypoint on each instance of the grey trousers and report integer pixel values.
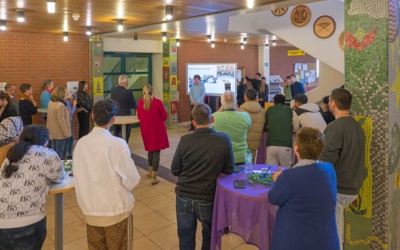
(279, 156)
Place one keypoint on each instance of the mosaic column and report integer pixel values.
(373, 77)
(170, 82)
(96, 49)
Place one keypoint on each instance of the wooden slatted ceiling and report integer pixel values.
(103, 14)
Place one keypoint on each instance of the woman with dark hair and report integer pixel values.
(10, 129)
(152, 116)
(27, 105)
(6, 107)
(83, 108)
(25, 179)
(58, 121)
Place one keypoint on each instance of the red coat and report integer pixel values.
(152, 125)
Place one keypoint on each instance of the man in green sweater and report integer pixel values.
(233, 123)
(279, 139)
(344, 149)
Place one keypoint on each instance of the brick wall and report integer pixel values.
(32, 58)
(201, 52)
(282, 64)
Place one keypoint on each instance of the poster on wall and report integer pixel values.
(72, 88)
(216, 78)
(2, 86)
(306, 73)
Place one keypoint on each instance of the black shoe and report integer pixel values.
(69, 157)
(226, 230)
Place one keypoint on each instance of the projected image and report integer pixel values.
(216, 77)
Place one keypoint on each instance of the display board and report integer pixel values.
(216, 77)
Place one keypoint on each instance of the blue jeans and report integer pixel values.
(61, 147)
(24, 238)
(70, 145)
(188, 211)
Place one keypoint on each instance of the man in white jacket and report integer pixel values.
(105, 175)
(306, 114)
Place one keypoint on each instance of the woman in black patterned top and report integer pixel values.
(24, 180)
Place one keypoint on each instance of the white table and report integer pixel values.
(43, 111)
(124, 120)
(59, 189)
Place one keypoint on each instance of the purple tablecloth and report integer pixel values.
(247, 210)
(262, 150)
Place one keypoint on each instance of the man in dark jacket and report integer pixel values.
(126, 102)
(197, 175)
(296, 87)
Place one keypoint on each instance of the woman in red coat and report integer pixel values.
(152, 116)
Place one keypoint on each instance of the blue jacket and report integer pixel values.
(44, 101)
(297, 88)
(305, 220)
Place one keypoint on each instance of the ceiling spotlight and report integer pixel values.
(135, 37)
(3, 24)
(266, 40)
(274, 37)
(273, 42)
(65, 34)
(168, 12)
(212, 44)
(164, 36)
(120, 25)
(51, 6)
(178, 42)
(266, 46)
(89, 31)
(244, 40)
(20, 16)
(242, 46)
(208, 38)
(250, 4)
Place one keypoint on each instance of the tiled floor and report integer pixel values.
(154, 217)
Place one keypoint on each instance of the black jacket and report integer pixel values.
(9, 111)
(26, 110)
(84, 102)
(199, 159)
(124, 98)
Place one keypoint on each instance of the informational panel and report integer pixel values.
(306, 73)
(216, 77)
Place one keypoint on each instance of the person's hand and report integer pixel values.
(194, 102)
(74, 102)
(276, 174)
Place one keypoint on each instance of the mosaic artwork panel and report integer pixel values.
(366, 60)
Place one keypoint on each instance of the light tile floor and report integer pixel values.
(154, 217)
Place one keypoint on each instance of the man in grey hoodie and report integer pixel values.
(306, 114)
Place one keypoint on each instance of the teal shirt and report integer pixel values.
(279, 123)
(235, 124)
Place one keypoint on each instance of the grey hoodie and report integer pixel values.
(308, 115)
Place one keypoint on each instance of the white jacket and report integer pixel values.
(309, 116)
(105, 174)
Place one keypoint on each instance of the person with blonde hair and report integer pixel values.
(58, 121)
(152, 116)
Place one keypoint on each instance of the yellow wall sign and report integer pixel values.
(166, 97)
(296, 52)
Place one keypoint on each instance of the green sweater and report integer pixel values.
(235, 124)
(279, 123)
(344, 149)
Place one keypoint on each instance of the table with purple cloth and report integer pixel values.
(247, 210)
